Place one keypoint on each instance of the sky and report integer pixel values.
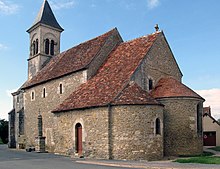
(191, 28)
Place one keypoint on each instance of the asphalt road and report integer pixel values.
(14, 159)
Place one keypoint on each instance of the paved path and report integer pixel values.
(14, 159)
(217, 153)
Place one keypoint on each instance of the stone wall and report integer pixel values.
(133, 132)
(11, 125)
(158, 63)
(52, 99)
(18, 105)
(118, 132)
(94, 123)
(181, 135)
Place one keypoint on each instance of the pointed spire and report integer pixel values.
(46, 16)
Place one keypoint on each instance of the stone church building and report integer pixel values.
(105, 98)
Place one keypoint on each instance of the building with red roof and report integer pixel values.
(105, 98)
(211, 129)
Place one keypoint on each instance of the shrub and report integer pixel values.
(4, 131)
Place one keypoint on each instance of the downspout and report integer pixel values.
(110, 139)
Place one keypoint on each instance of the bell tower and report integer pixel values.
(44, 39)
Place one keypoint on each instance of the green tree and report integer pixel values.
(4, 131)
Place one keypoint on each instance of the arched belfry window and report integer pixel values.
(47, 46)
(36, 51)
(150, 84)
(52, 47)
(157, 126)
(34, 48)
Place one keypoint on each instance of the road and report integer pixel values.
(16, 159)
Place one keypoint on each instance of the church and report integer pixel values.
(105, 98)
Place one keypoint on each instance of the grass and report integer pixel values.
(205, 153)
(217, 148)
(201, 160)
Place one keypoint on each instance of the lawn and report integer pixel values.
(201, 160)
(217, 148)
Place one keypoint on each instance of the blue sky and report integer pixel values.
(191, 28)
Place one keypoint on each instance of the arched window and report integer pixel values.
(44, 92)
(157, 125)
(61, 88)
(78, 138)
(52, 47)
(47, 46)
(36, 51)
(32, 95)
(34, 48)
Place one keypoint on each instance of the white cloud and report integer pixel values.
(8, 8)
(57, 5)
(152, 3)
(2, 47)
(212, 97)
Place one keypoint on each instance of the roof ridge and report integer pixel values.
(91, 39)
(111, 31)
(144, 36)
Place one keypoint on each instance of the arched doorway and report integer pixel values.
(78, 138)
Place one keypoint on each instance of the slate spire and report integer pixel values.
(45, 16)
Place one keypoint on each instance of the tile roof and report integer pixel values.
(170, 87)
(46, 16)
(134, 94)
(205, 114)
(207, 110)
(112, 77)
(74, 59)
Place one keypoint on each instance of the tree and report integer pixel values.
(4, 131)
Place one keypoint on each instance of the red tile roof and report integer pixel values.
(112, 77)
(207, 110)
(134, 94)
(170, 87)
(74, 59)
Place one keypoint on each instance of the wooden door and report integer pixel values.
(79, 139)
(209, 138)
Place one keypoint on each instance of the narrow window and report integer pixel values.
(34, 47)
(47, 46)
(52, 47)
(150, 84)
(32, 96)
(61, 88)
(44, 92)
(17, 99)
(36, 51)
(158, 126)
